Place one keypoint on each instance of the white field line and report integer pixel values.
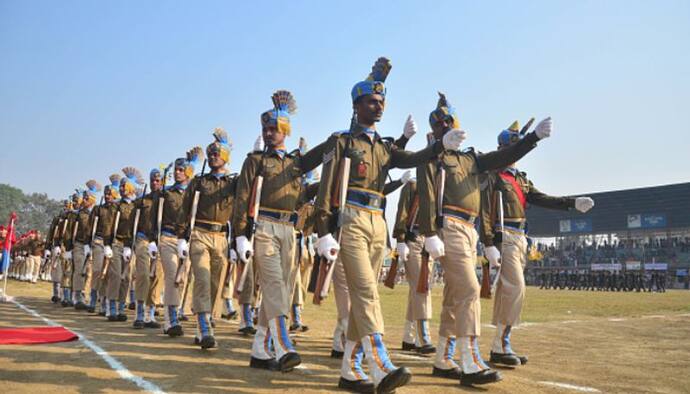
(110, 360)
(583, 389)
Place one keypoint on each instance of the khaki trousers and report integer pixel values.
(97, 270)
(114, 274)
(209, 255)
(302, 277)
(67, 265)
(341, 291)
(274, 256)
(79, 257)
(510, 290)
(362, 249)
(169, 260)
(418, 304)
(145, 290)
(55, 268)
(460, 312)
(248, 294)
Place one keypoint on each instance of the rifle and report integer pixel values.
(325, 268)
(93, 236)
(106, 260)
(134, 240)
(485, 291)
(392, 273)
(159, 224)
(254, 204)
(500, 218)
(183, 267)
(526, 127)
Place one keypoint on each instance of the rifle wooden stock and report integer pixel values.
(106, 260)
(501, 221)
(183, 266)
(485, 291)
(326, 268)
(423, 281)
(134, 240)
(253, 211)
(159, 223)
(392, 273)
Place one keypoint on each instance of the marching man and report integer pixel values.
(506, 243)
(449, 206)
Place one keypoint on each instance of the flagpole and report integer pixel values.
(8, 240)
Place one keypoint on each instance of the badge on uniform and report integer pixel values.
(362, 169)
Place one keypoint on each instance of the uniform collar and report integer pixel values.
(179, 186)
(359, 130)
(278, 151)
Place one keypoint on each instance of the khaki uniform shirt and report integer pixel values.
(462, 188)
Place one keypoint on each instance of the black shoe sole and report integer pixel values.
(269, 365)
(505, 359)
(138, 324)
(357, 386)
(393, 380)
(246, 331)
(426, 349)
(453, 373)
(479, 378)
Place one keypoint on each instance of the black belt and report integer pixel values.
(366, 200)
(287, 217)
(459, 214)
(212, 227)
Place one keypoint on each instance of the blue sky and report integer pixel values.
(89, 87)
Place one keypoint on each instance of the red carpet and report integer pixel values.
(31, 335)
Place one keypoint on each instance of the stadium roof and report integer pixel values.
(657, 208)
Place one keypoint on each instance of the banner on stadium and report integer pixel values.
(656, 266)
(646, 221)
(633, 265)
(575, 225)
(683, 272)
(606, 267)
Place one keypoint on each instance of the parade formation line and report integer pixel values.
(112, 362)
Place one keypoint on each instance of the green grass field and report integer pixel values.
(577, 342)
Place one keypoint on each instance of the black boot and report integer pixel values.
(482, 377)
(505, 359)
(207, 342)
(409, 346)
(175, 331)
(337, 354)
(393, 380)
(271, 364)
(426, 349)
(451, 373)
(356, 386)
(246, 331)
(289, 361)
(152, 324)
(138, 324)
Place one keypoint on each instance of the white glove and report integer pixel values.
(57, 251)
(434, 246)
(87, 251)
(328, 247)
(493, 255)
(153, 250)
(233, 256)
(453, 139)
(543, 129)
(259, 143)
(182, 248)
(46, 254)
(584, 204)
(410, 128)
(108, 252)
(403, 251)
(310, 246)
(127, 253)
(406, 177)
(245, 249)
(68, 255)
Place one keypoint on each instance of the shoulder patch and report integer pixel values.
(328, 156)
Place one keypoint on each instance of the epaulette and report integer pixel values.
(255, 152)
(339, 133)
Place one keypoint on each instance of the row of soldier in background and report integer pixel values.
(603, 280)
